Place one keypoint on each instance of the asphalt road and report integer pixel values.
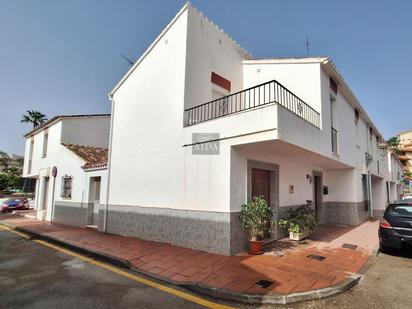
(387, 284)
(33, 276)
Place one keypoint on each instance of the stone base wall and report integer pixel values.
(344, 213)
(238, 237)
(202, 230)
(362, 214)
(378, 213)
(70, 213)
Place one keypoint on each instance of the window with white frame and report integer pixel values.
(333, 121)
(30, 156)
(45, 141)
(66, 191)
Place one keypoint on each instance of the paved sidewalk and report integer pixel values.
(291, 271)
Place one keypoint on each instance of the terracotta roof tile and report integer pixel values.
(95, 157)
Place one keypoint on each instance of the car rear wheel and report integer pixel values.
(383, 249)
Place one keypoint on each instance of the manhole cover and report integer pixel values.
(264, 283)
(316, 257)
(349, 246)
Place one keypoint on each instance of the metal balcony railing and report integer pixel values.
(334, 140)
(260, 95)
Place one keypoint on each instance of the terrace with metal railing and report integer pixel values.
(271, 92)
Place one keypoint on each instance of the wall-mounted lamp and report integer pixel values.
(310, 178)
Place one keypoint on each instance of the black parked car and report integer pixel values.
(395, 228)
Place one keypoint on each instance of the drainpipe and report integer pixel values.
(109, 159)
(370, 194)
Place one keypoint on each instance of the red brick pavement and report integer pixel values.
(291, 272)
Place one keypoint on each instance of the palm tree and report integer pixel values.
(393, 144)
(34, 117)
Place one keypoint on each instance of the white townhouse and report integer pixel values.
(199, 127)
(394, 183)
(68, 156)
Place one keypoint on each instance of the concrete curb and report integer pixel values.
(276, 299)
(219, 293)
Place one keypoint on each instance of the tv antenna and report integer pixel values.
(307, 44)
(127, 59)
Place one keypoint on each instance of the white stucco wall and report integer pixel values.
(147, 154)
(53, 150)
(209, 50)
(291, 172)
(344, 185)
(378, 194)
(93, 131)
(102, 173)
(67, 163)
(301, 79)
(145, 164)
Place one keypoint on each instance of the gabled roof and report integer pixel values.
(95, 157)
(187, 6)
(57, 118)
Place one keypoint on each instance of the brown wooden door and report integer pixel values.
(261, 187)
(261, 183)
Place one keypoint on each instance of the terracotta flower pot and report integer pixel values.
(255, 247)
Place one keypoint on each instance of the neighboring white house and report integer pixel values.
(67, 156)
(394, 183)
(199, 127)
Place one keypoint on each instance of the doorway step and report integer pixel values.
(91, 227)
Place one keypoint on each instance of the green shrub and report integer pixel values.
(255, 217)
(299, 219)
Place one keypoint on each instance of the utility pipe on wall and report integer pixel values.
(109, 158)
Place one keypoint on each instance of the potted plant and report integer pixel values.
(254, 218)
(299, 222)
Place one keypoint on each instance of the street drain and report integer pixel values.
(264, 283)
(349, 246)
(316, 257)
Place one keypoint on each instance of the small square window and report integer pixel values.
(66, 191)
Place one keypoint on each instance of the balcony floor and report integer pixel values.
(292, 152)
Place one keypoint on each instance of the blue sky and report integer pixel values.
(63, 57)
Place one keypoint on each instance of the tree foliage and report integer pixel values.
(34, 117)
(393, 144)
(255, 217)
(298, 220)
(9, 178)
(4, 159)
